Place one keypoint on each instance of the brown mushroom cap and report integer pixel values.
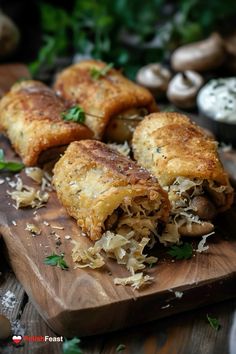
(9, 35)
(5, 327)
(199, 56)
(155, 77)
(183, 88)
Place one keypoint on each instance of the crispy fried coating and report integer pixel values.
(93, 181)
(101, 98)
(31, 117)
(170, 146)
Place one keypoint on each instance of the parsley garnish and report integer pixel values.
(120, 347)
(97, 73)
(158, 150)
(71, 346)
(56, 260)
(74, 114)
(184, 251)
(214, 323)
(9, 165)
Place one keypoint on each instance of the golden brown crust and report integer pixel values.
(102, 98)
(170, 145)
(30, 115)
(92, 180)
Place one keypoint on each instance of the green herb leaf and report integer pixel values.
(184, 251)
(158, 150)
(74, 114)
(71, 346)
(56, 260)
(214, 323)
(9, 165)
(120, 347)
(97, 73)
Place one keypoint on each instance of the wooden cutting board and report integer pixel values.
(84, 302)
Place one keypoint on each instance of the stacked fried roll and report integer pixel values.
(31, 117)
(112, 103)
(113, 200)
(186, 163)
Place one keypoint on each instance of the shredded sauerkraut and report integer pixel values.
(131, 229)
(180, 193)
(28, 196)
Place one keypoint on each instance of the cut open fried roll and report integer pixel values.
(31, 117)
(113, 200)
(185, 161)
(113, 104)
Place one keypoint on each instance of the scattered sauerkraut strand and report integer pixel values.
(125, 249)
(136, 281)
(201, 246)
(25, 196)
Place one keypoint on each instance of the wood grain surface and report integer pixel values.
(76, 302)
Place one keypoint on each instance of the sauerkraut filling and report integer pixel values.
(194, 203)
(127, 232)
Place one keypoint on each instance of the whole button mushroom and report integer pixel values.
(199, 56)
(5, 327)
(183, 88)
(9, 35)
(155, 77)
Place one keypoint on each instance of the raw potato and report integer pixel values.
(9, 35)
(103, 98)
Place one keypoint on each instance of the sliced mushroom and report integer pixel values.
(195, 230)
(199, 56)
(155, 77)
(9, 35)
(183, 89)
(203, 207)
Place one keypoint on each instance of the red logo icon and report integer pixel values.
(17, 339)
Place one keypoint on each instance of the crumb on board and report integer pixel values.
(9, 300)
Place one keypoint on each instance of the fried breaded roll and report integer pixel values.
(112, 103)
(31, 117)
(113, 200)
(185, 161)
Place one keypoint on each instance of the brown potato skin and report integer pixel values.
(170, 145)
(30, 116)
(104, 97)
(92, 180)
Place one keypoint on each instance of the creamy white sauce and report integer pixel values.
(217, 99)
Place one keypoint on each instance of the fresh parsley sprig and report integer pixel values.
(214, 322)
(74, 114)
(56, 260)
(71, 346)
(98, 73)
(9, 165)
(120, 348)
(184, 251)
